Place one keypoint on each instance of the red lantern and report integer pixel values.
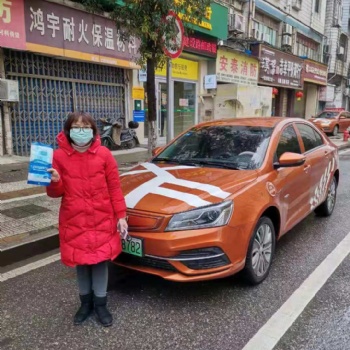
(274, 92)
(299, 95)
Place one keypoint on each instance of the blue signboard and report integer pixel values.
(139, 116)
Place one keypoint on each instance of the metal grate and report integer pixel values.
(49, 88)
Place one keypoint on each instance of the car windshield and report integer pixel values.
(328, 115)
(226, 146)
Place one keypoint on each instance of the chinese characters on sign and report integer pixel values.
(181, 68)
(199, 45)
(12, 32)
(278, 68)
(315, 72)
(54, 25)
(232, 67)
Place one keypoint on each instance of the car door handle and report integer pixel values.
(326, 153)
(306, 168)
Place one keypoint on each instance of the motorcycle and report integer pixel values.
(114, 136)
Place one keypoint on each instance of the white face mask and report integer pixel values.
(81, 136)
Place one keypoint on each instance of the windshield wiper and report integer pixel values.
(221, 165)
(173, 160)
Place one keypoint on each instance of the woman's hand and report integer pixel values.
(55, 176)
(122, 225)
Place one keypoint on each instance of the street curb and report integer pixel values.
(16, 253)
(344, 146)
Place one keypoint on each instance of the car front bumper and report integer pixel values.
(193, 255)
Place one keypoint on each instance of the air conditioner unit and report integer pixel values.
(341, 50)
(9, 90)
(236, 23)
(287, 29)
(286, 40)
(256, 34)
(296, 4)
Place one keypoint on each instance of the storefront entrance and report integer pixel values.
(184, 107)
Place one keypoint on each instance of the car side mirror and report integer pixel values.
(156, 151)
(289, 160)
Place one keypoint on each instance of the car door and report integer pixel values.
(346, 121)
(318, 157)
(292, 184)
(342, 121)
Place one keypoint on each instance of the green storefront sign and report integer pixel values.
(214, 23)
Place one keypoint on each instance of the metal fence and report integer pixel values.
(50, 88)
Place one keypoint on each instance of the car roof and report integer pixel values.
(255, 121)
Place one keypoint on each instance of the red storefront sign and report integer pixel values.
(200, 45)
(315, 72)
(278, 68)
(59, 30)
(12, 31)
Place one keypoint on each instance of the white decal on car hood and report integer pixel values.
(163, 176)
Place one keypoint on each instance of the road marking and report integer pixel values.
(269, 335)
(22, 198)
(30, 267)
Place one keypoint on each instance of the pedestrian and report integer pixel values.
(93, 209)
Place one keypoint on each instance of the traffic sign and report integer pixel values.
(175, 47)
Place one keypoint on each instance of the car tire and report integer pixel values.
(260, 251)
(335, 130)
(326, 208)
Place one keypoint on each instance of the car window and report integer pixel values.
(288, 142)
(311, 138)
(328, 115)
(235, 146)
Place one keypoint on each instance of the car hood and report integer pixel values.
(321, 120)
(169, 189)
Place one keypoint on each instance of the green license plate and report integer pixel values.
(133, 246)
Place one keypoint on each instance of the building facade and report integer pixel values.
(288, 38)
(64, 59)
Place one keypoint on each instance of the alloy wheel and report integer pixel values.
(262, 250)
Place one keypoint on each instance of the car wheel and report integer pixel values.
(327, 207)
(335, 130)
(260, 251)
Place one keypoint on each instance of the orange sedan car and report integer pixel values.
(332, 120)
(216, 199)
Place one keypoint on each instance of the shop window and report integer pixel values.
(317, 6)
(262, 32)
(308, 48)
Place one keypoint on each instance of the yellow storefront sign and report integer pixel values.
(138, 93)
(181, 69)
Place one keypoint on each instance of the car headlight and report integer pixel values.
(209, 216)
(325, 123)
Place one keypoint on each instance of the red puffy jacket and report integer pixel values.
(92, 202)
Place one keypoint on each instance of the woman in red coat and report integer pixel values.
(85, 175)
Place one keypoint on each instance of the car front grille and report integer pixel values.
(129, 259)
(210, 263)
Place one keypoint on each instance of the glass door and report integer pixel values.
(184, 106)
(161, 110)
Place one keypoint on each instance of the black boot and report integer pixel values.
(103, 315)
(85, 309)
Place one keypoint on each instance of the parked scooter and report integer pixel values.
(114, 136)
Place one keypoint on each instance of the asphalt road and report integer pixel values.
(36, 308)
